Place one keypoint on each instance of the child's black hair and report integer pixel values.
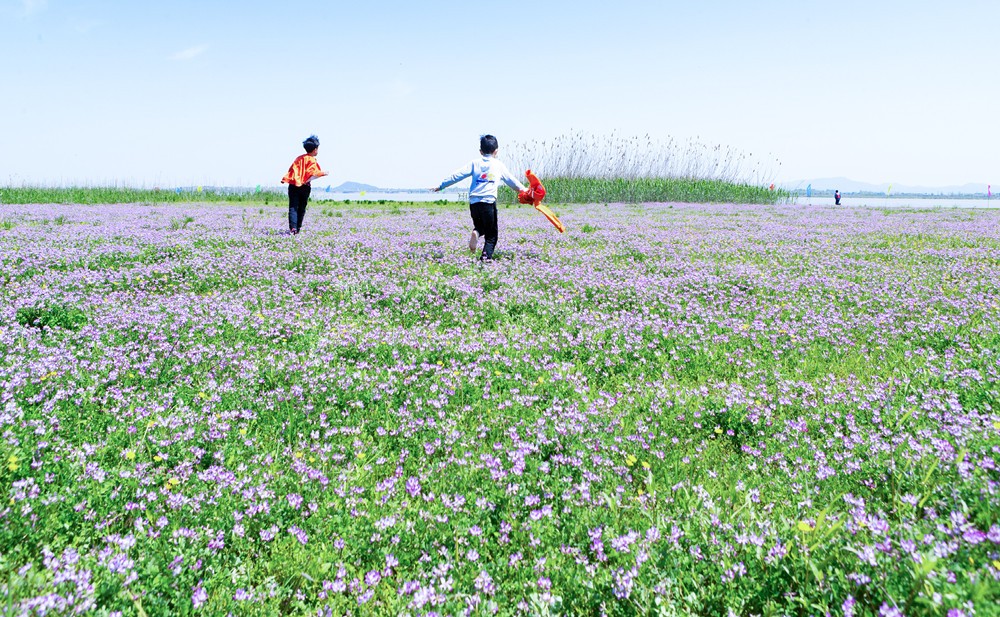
(311, 143)
(488, 144)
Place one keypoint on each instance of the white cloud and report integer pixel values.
(34, 6)
(190, 53)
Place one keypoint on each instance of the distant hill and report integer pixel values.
(846, 185)
(354, 187)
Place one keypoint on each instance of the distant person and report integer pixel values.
(836, 197)
(485, 171)
(302, 171)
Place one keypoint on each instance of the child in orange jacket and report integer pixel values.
(302, 171)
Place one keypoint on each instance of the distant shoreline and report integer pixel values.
(883, 195)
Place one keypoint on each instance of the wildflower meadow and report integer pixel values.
(670, 409)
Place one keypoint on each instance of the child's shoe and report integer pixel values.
(473, 242)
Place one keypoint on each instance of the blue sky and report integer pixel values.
(222, 93)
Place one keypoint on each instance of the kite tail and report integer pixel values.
(549, 214)
(534, 196)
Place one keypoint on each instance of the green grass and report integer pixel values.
(124, 195)
(560, 190)
(653, 190)
(52, 316)
(582, 167)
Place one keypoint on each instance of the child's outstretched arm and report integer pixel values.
(313, 171)
(511, 181)
(460, 174)
(319, 174)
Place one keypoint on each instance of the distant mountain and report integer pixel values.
(354, 187)
(846, 185)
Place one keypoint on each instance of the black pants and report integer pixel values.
(298, 197)
(484, 219)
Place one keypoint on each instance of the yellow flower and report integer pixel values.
(645, 465)
(157, 458)
(804, 527)
(996, 564)
(718, 431)
(243, 431)
(298, 455)
(630, 460)
(174, 481)
(202, 396)
(996, 425)
(13, 463)
(130, 455)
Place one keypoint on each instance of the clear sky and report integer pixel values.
(188, 92)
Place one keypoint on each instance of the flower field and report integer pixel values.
(668, 410)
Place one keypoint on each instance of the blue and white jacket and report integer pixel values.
(484, 171)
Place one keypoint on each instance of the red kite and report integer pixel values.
(534, 196)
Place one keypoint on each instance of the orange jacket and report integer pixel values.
(303, 169)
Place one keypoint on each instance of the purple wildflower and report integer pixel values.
(198, 595)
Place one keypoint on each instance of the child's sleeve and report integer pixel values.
(312, 170)
(511, 181)
(460, 174)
